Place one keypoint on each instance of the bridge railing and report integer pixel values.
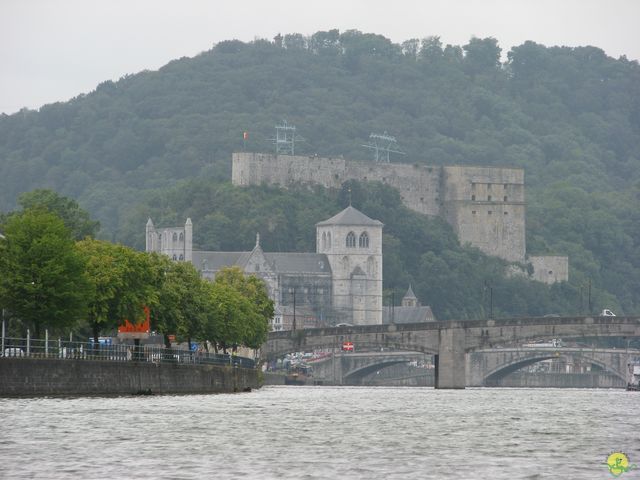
(70, 350)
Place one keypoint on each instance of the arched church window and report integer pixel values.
(181, 237)
(351, 240)
(371, 266)
(181, 257)
(328, 240)
(363, 241)
(175, 237)
(324, 241)
(175, 258)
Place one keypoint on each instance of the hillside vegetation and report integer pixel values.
(569, 116)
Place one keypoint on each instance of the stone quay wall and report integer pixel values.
(54, 377)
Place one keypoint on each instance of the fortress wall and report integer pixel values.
(486, 207)
(419, 185)
(285, 170)
(550, 268)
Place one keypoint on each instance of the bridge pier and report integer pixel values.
(450, 361)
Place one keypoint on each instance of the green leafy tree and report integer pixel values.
(42, 278)
(261, 311)
(120, 284)
(182, 303)
(75, 218)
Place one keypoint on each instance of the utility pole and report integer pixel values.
(293, 328)
(393, 307)
(490, 301)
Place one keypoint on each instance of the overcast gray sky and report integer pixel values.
(53, 50)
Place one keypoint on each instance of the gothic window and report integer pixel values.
(175, 258)
(175, 237)
(371, 266)
(324, 241)
(363, 241)
(351, 240)
(345, 263)
(181, 237)
(181, 257)
(328, 240)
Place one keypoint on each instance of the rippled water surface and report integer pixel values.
(323, 432)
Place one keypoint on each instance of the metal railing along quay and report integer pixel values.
(71, 350)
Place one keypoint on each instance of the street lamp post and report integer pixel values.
(3, 334)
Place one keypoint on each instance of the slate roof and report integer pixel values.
(280, 262)
(407, 315)
(350, 216)
(299, 262)
(216, 260)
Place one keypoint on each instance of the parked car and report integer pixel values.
(13, 352)
(607, 313)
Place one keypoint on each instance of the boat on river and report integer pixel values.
(298, 375)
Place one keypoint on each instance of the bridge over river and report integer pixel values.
(450, 341)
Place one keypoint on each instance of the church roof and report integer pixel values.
(410, 295)
(299, 262)
(350, 216)
(280, 262)
(216, 260)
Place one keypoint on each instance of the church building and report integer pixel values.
(340, 283)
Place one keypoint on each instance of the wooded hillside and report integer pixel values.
(569, 116)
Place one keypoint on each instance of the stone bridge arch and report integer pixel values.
(493, 377)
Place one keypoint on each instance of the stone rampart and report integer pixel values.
(40, 377)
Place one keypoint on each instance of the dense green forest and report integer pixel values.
(569, 116)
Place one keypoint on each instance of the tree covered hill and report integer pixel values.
(569, 116)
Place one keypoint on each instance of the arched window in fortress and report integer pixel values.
(363, 241)
(351, 240)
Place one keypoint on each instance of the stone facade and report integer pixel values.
(550, 269)
(341, 282)
(175, 242)
(484, 205)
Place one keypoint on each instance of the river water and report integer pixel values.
(323, 432)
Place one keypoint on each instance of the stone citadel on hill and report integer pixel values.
(484, 205)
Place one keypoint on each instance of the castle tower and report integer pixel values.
(352, 243)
